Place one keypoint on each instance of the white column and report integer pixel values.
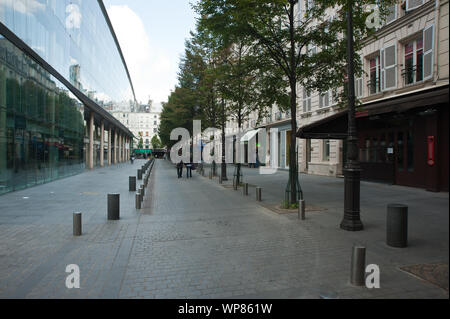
(109, 146)
(91, 141)
(102, 143)
(115, 146)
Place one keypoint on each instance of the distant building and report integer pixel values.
(141, 124)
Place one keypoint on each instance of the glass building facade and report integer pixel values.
(43, 129)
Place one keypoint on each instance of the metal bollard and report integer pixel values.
(397, 225)
(132, 183)
(138, 200)
(143, 190)
(358, 266)
(113, 206)
(139, 174)
(77, 224)
(245, 189)
(220, 179)
(258, 194)
(210, 174)
(301, 209)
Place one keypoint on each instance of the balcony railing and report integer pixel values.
(411, 75)
(374, 86)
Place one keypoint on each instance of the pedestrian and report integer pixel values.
(132, 158)
(188, 170)
(180, 169)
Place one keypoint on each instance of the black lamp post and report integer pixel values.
(352, 170)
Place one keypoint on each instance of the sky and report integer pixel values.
(152, 34)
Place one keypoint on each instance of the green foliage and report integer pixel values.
(156, 143)
(286, 205)
(280, 40)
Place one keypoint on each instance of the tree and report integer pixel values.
(140, 143)
(283, 39)
(156, 143)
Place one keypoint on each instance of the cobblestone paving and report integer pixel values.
(196, 239)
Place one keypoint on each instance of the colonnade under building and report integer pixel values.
(106, 144)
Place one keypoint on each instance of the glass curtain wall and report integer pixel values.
(74, 38)
(41, 123)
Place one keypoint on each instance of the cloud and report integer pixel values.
(73, 19)
(152, 72)
(25, 7)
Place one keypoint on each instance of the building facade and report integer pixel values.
(402, 113)
(61, 70)
(142, 124)
(402, 119)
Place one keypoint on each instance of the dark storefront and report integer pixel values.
(402, 140)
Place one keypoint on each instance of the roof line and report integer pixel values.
(113, 33)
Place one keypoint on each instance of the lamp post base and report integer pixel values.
(224, 172)
(352, 221)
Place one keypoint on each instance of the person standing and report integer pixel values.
(180, 169)
(188, 170)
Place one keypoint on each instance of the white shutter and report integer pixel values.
(428, 44)
(300, 11)
(389, 67)
(359, 87)
(305, 106)
(392, 14)
(413, 4)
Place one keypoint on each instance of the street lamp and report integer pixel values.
(352, 170)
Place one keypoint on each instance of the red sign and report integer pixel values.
(430, 160)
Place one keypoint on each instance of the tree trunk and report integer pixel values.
(292, 158)
(293, 84)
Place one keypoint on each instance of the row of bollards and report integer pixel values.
(113, 200)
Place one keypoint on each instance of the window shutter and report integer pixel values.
(392, 14)
(299, 12)
(413, 4)
(304, 101)
(389, 67)
(428, 43)
(359, 87)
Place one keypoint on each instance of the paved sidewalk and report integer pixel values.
(197, 239)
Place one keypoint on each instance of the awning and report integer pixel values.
(336, 125)
(249, 135)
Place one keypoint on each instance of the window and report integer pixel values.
(155, 122)
(413, 4)
(392, 14)
(324, 99)
(306, 101)
(413, 71)
(155, 130)
(374, 75)
(326, 151)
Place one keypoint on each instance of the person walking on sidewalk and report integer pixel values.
(188, 170)
(180, 169)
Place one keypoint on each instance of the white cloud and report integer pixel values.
(25, 7)
(152, 72)
(73, 19)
